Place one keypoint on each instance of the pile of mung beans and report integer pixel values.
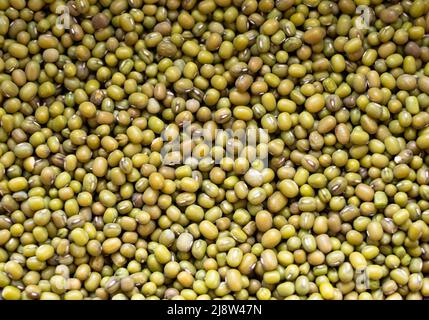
(92, 90)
